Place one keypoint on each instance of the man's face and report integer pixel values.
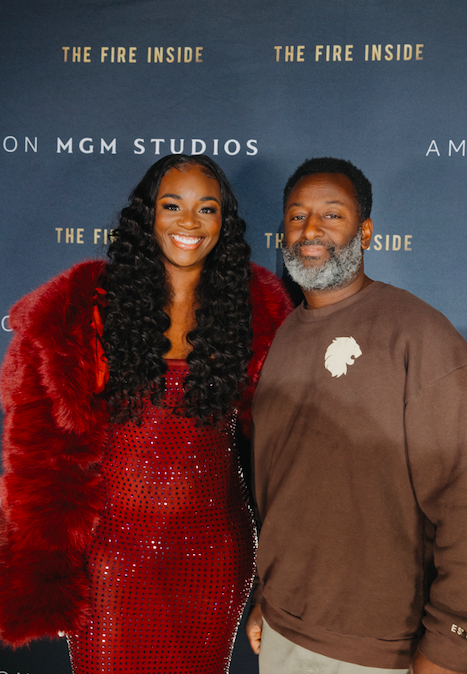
(324, 237)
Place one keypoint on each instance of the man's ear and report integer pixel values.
(367, 231)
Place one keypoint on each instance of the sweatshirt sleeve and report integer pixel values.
(436, 431)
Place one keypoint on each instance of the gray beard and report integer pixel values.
(342, 267)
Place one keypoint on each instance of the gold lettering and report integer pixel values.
(268, 239)
(79, 235)
(300, 49)
(170, 55)
(318, 51)
(69, 235)
(348, 52)
(278, 52)
(289, 53)
(378, 239)
(65, 53)
(336, 52)
(407, 52)
(376, 52)
(396, 242)
(104, 52)
(87, 55)
(279, 238)
(59, 231)
(121, 54)
(187, 54)
(418, 52)
(199, 54)
(367, 49)
(76, 54)
(389, 55)
(408, 242)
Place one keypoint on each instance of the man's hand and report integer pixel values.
(421, 665)
(254, 627)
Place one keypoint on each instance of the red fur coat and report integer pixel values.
(55, 429)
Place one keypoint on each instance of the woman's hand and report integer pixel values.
(254, 627)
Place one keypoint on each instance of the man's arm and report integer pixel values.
(436, 431)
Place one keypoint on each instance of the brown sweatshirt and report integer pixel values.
(360, 459)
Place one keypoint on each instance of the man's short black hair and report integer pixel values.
(362, 185)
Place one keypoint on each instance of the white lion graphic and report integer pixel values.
(339, 354)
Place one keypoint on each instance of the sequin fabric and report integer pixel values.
(172, 558)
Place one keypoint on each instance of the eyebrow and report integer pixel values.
(330, 201)
(177, 196)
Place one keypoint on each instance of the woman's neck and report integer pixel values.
(181, 311)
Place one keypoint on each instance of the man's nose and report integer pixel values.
(313, 227)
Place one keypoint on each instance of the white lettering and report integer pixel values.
(251, 144)
(139, 145)
(65, 146)
(15, 144)
(112, 146)
(88, 150)
(194, 143)
(157, 146)
(227, 146)
(456, 149)
(172, 145)
(433, 148)
(27, 141)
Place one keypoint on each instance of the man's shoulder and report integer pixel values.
(409, 310)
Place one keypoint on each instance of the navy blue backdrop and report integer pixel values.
(94, 91)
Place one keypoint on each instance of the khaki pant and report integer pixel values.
(278, 655)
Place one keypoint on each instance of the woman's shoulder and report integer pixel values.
(62, 299)
(269, 298)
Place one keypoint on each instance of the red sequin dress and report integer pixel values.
(172, 558)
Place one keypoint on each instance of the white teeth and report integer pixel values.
(186, 239)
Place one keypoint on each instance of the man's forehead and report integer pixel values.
(334, 187)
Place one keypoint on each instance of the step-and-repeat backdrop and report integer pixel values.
(94, 91)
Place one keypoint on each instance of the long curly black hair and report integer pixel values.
(138, 292)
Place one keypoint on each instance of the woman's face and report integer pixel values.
(188, 217)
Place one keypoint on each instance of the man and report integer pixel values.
(360, 448)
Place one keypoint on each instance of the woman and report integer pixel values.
(126, 525)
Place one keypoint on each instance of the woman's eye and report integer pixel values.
(209, 209)
(170, 207)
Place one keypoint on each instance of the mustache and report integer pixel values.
(295, 248)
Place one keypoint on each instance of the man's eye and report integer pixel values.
(332, 215)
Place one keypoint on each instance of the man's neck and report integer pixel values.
(316, 299)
